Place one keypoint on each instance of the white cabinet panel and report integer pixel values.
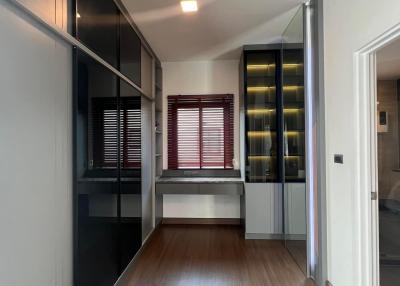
(263, 209)
(295, 210)
(36, 151)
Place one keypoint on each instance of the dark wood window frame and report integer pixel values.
(205, 108)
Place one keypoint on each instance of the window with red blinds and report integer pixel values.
(105, 128)
(200, 131)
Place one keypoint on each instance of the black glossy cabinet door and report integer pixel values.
(97, 27)
(130, 51)
(97, 229)
(107, 115)
(130, 173)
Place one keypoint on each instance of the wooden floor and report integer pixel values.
(213, 255)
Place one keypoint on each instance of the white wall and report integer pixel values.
(348, 26)
(204, 77)
(208, 77)
(35, 149)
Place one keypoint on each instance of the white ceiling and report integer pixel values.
(388, 62)
(216, 31)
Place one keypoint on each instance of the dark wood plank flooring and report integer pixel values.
(194, 255)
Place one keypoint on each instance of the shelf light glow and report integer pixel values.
(78, 16)
(259, 88)
(263, 67)
(292, 66)
(293, 133)
(260, 134)
(292, 110)
(255, 89)
(260, 111)
(292, 87)
(290, 157)
(259, 158)
(260, 67)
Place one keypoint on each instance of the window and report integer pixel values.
(105, 129)
(200, 132)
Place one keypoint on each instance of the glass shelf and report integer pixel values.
(261, 116)
(294, 121)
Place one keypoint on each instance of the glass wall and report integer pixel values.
(295, 225)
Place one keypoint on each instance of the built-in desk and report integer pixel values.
(200, 186)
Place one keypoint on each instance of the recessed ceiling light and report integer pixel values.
(189, 6)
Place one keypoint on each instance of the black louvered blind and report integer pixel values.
(104, 132)
(200, 132)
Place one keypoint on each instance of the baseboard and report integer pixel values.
(204, 221)
(296, 237)
(123, 279)
(267, 236)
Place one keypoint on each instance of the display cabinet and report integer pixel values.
(293, 113)
(261, 93)
(273, 102)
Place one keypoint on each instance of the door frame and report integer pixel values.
(366, 210)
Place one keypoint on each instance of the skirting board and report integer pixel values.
(269, 236)
(208, 221)
(296, 237)
(275, 236)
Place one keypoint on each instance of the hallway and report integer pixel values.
(194, 255)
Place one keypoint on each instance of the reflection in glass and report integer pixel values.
(294, 140)
(108, 162)
(130, 173)
(97, 175)
(97, 27)
(261, 123)
(130, 52)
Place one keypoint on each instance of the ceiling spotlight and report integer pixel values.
(189, 6)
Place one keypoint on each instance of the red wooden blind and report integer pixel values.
(200, 131)
(104, 132)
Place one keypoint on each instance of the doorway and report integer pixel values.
(378, 160)
(388, 162)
